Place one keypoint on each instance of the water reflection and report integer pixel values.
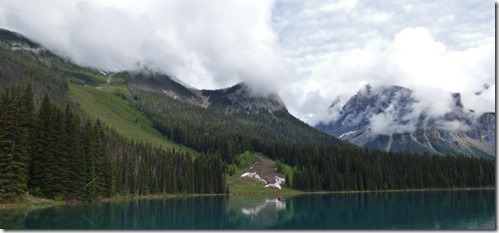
(384, 210)
(394, 210)
(263, 214)
(273, 204)
(175, 213)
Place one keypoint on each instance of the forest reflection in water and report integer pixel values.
(474, 209)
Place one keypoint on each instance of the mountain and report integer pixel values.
(236, 113)
(146, 80)
(383, 118)
(143, 132)
(240, 97)
(154, 107)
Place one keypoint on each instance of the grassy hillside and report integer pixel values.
(97, 95)
(110, 106)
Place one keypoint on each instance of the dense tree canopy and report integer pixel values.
(319, 164)
(51, 153)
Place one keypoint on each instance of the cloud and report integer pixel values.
(432, 47)
(413, 59)
(202, 43)
(310, 52)
(385, 123)
(453, 125)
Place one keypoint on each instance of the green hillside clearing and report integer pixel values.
(265, 168)
(108, 105)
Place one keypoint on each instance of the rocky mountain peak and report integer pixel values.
(242, 97)
(384, 117)
(456, 100)
(15, 41)
(369, 101)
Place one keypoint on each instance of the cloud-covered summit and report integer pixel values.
(204, 44)
(309, 52)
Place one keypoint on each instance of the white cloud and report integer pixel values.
(310, 52)
(385, 124)
(423, 45)
(204, 44)
(414, 60)
(341, 5)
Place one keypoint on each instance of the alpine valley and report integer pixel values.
(79, 134)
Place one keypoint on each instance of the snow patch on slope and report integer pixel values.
(254, 176)
(276, 184)
(347, 133)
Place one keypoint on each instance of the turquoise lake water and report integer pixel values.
(473, 209)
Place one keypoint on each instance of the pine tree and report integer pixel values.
(41, 148)
(56, 160)
(76, 161)
(64, 145)
(7, 148)
(89, 176)
(102, 162)
(23, 144)
(287, 181)
(15, 121)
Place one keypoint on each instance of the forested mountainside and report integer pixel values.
(52, 153)
(475, 135)
(141, 132)
(226, 121)
(98, 146)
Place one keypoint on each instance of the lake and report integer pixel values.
(473, 209)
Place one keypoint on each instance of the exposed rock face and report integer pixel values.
(237, 98)
(459, 131)
(149, 81)
(241, 97)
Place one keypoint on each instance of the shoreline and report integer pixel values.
(401, 190)
(49, 203)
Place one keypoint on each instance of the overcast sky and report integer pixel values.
(309, 52)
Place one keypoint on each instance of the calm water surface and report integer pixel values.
(473, 209)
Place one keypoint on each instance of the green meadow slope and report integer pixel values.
(97, 95)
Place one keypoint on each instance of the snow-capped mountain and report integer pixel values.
(384, 118)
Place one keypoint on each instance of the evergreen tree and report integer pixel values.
(74, 152)
(7, 149)
(89, 148)
(23, 144)
(15, 124)
(41, 148)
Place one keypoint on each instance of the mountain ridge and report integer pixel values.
(383, 118)
(242, 97)
(239, 102)
(156, 135)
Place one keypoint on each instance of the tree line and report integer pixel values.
(378, 170)
(51, 152)
(318, 165)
